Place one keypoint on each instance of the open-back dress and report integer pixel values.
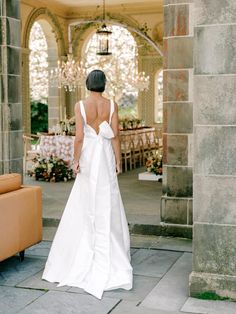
(91, 248)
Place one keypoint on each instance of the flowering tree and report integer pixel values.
(38, 64)
(119, 67)
(159, 98)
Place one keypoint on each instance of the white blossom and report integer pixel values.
(38, 64)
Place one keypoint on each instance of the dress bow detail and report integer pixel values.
(105, 130)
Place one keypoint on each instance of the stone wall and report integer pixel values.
(214, 258)
(177, 113)
(11, 147)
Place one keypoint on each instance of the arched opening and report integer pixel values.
(38, 79)
(126, 59)
(55, 110)
(53, 47)
(119, 68)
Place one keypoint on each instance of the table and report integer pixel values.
(60, 146)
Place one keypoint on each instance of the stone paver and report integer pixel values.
(12, 271)
(159, 242)
(41, 249)
(36, 282)
(136, 196)
(172, 291)
(141, 241)
(129, 307)
(141, 286)
(153, 263)
(209, 307)
(57, 302)
(13, 299)
(160, 285)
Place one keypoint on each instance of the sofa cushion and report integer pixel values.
(10, 182)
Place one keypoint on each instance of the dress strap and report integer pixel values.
(82, 110)
(112, 107)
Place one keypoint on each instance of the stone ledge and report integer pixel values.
(221, 285)
(176, 210)
(168, 230)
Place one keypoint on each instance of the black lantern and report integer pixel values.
(103, 35)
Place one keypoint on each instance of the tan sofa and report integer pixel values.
(20, 216)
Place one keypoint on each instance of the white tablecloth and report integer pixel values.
(57, 145)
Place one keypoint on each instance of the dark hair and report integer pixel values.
(96, 81)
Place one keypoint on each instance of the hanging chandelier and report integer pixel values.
(138, 79)
(68, 74)
(141, 81)
(103, 37)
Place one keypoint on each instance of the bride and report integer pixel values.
(91, 248)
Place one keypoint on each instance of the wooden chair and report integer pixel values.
(126, 151)
(137, 150)
(29, 153)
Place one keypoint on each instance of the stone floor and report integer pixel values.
(161, 270)
(161, 265)
(141, 198)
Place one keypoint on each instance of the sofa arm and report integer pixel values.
(20, 220)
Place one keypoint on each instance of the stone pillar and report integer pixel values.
(146, 102)
(55, 95)
(26, 119)
(11, 147)
(214, 257)
(176, 203)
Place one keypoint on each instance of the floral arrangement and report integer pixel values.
(154, 164)
(50, 169)
(67, 126)
(130, 123)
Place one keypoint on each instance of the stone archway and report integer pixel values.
(56, 48)
(149, 60)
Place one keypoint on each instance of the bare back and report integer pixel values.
(97, 110)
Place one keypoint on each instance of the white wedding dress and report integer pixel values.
(91, 248)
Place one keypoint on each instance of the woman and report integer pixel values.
(91, 248)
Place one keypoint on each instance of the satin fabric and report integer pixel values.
(91, 248)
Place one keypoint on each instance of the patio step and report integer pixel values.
(166, 230)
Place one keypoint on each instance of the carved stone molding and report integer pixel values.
(53, 21)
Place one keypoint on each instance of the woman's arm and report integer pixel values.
(79, 137)
(116, 140)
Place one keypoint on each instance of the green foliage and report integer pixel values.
(39, 117)
(211, 295)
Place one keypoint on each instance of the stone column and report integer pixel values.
(214, 255)
(146, 102)
(26, 119)
(11, 147)
(176, 209)
(55, 96)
